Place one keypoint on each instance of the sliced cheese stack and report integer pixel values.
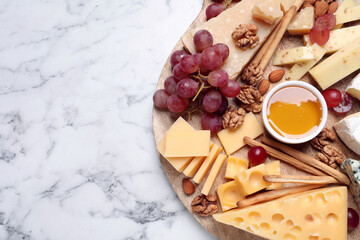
(317, 214)
(221, 28)
(348, 130)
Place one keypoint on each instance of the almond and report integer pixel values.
(311, 2)
(321, 8)
(276, 75)
(333, 7)
(188, 186)
(264, 86)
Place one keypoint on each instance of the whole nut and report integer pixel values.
(333, 7)
(321, 8)
(276, 75)
(311, 2)
(188, 186)
(264, 86)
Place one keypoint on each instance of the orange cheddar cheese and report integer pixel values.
(194, 165)
(214, 172)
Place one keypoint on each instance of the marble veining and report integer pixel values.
(77, 153)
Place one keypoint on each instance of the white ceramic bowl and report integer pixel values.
(307, 86)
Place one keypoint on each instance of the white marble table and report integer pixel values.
(77, 154)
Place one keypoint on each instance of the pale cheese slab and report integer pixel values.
(293, 55)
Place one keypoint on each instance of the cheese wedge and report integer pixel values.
(293, 55)
(179, 163)
(273, 168)
(350, 14)
(337, 39)
(187, 144)
(348, 130)
(267, 10)
(318, 214)
(214, 172)
(298, 70)
(229, 195)
(221, 28)
(354, 87)
(302, 22)
(195, 164)
(234, 166)
(338, 65)
(233, 140)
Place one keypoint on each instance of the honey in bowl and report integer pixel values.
(294, 112)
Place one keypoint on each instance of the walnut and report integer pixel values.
(319, 143)
(327, 133)
(233, 118)
(245, 36)
(252, 74)
(334, 154)
(205, 205)
(320, 156)
(250, 98)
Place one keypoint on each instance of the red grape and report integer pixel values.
(212, 122)
(257, 155)
(353, 219)
(160, 98)
(327, 20)
(170, 85)
(178, 73)
(177, 104)
(223, 107)
(332, 97)
(211, 58)
(345, 104)
(189, 64)
(202, 40)
(223, 49)
(187, 88)
(214, 10)
(218, 78)
(231, 89)
(203, 70)
(212, 101)
(319, 34)
(176, 56)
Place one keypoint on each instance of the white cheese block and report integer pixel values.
(350, 14)
(352, 168)
(354, 87)
(348, 130)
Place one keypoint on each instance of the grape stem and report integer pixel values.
(199, 76)
(227, 3)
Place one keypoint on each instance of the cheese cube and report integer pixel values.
(354, 87)
(221, 28)
(214, 172)
(351, 167)
(286, 4)
(314, 215)
(348, 130)
(187, 144)
(349, 15)
(195, 164)
(300, 69)
(267, 10)
(302, 22)
(338, 65)
(273, 168)
(229, 195)
(337, 39)
(179, 163)
(293, 55)
(341, 10)
(208, 162)
(233, 140)
(234, 166)
(251, 181)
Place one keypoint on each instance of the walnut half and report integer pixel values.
(250, 98)
(205, 205)
(233, 118)
(245, 36)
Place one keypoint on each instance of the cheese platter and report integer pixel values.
(208, 162)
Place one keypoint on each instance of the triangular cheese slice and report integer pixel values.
(314, 215)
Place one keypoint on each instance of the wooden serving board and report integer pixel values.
(162, 122)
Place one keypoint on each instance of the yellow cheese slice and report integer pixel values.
(214, 172)
(337, 39)
(232, 140)
(229, 195)
(302, 22)
(350, 14)
(293, 55)
(187, 144)
(194, 165)
(298, 70)
(314, 215)
(338, 65)
(234, 166)
(179, 163)
(342, 8)
(267, 10)
(221, 28)
(273, 168)
(209, 160)
(251, 180)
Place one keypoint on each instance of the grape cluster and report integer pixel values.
(198, 83)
